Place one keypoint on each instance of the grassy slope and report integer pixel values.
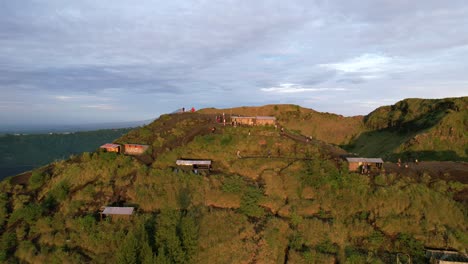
(255, 209)
(327, 127)
(416, 128)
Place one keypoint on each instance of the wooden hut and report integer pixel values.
(265, 120)
(110, 147)
(135, 149)
(355, 164)
(243, 120)
(194, 165)
(117, 212)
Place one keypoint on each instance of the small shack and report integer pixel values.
(194, 165)
(135, 149)
(108, 147)
(265, 120)
(355, 164)
(243, 120)
(116, 212)
(445, 257)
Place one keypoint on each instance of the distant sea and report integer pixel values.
(8, 171)
(61, 129)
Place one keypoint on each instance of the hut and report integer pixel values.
(265, 120)
(437, 256)
(243, 120)
(194, 165)
(110, 147)
(116, 212)
(135, 149)
(355, 164)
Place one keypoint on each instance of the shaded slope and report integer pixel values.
(433, 129)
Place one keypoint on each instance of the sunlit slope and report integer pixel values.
(283, 199)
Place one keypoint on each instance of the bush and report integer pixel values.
(37, 179)
(249, 203)
(60, 191)
(327, 247)
(29, 214)
(234, 184)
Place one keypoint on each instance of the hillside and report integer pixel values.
(19, 153)
(427, 129)
(284, 199)
(331, 128)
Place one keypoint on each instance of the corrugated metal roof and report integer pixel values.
(109, 145)
(246, 117)
(193, 162)
(266, 117)
(118, 211)
(369, 160)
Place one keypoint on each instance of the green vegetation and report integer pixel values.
(416, 129)
(283, 200)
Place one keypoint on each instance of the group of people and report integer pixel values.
(416, 161)
(191, 110)
(221, 119)
(365, 168)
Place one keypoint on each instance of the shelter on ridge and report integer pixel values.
(111, 147)
(117, 212)
(265, 120)
(135, 149)
(254, 120)
(243, 120)
(194, 165)
(354, 164)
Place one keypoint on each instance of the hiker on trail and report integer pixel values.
(213, 129)
(249, 132)
(269, 153)
(238, 154)
(193, 109)
(183, 109)
(224, 121)
(416, 161)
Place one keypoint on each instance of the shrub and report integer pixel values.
(29, 214)
(327, 247)
(37, 179)
(249, 203)
(233, 184)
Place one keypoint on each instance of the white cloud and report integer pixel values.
(297, 88)
(366, 63)
(99, 107)
(63, 97)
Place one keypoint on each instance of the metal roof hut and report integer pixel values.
(265, 120)
(117, 212)
(243, 120)
(194, 165)
(108, 147)
(135, 149)
(354, 164)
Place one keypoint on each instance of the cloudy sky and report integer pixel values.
(93, 61)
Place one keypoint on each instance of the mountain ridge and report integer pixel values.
(272, 196)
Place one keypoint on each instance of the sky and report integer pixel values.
(93, 61)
